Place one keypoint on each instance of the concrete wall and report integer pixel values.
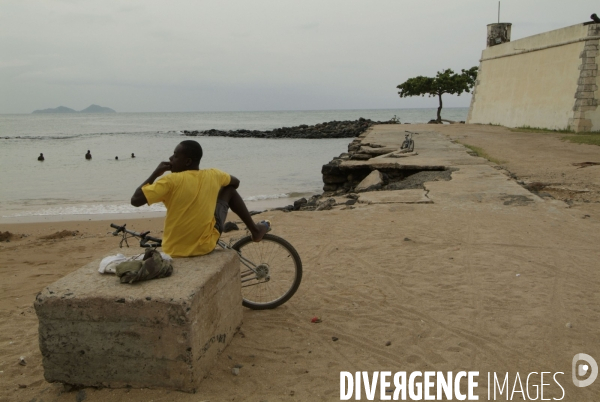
(546, 80)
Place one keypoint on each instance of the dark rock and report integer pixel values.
(325, 205)
(299, 203)
(313, 201)
(331, 169)
(332, 129)
(334, 179)
(361, 157)
(327, 187)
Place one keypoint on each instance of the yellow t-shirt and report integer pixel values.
(190, 198)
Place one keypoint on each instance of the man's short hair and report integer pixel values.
(192, 150)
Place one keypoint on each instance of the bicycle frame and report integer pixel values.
(283, 277)
(128, 234)
(249, 264)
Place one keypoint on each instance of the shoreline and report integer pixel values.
(257, 205)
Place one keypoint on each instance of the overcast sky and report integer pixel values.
(179, 56)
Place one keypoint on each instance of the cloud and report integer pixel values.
(309, 26)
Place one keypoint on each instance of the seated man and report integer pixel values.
(197, 202)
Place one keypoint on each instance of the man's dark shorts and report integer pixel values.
(221, 215)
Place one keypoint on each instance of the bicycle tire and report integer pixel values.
(411, 146)
(278, 263)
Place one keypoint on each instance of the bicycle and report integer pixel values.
(270, 270)
(408, 144)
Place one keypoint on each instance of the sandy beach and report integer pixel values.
(471, 281)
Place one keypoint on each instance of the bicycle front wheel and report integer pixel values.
(271, 271)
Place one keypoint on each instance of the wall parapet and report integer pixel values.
(537, 49)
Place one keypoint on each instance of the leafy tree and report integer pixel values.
(445, 82)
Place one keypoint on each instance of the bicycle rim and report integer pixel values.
(278, 271)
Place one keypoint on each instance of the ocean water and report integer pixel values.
(273, 172)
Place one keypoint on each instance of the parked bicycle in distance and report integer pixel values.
(408, 144)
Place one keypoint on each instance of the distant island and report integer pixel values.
(89, 109)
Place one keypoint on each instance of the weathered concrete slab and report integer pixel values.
(433, 151)
(474, 182)
(480, 183)
(373, 181)
(165, 333)
(376, 151)
(413, 196)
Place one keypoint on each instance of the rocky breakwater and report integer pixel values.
(332, 129)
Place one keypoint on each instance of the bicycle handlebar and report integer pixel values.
(144, 238)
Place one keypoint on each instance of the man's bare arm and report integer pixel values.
(138, 199)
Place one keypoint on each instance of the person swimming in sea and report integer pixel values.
(88, 156)
(132, 155)
(41, 157)
(116, 158)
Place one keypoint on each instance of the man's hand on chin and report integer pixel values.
(162, 168)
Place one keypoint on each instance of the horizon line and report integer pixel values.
(241, 111)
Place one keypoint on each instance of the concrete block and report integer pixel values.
(589, 66)
(373, 181)
(588, 73)
(377, 151)
(587, 81)
(585, 102)
(591, 53)
(587, 88)
(584, 95)
(594, 30)
(163, 333)
(412, 196)
(586, 108)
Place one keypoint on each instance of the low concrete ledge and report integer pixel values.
(163, 333)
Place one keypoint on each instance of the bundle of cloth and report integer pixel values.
(152, 265)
